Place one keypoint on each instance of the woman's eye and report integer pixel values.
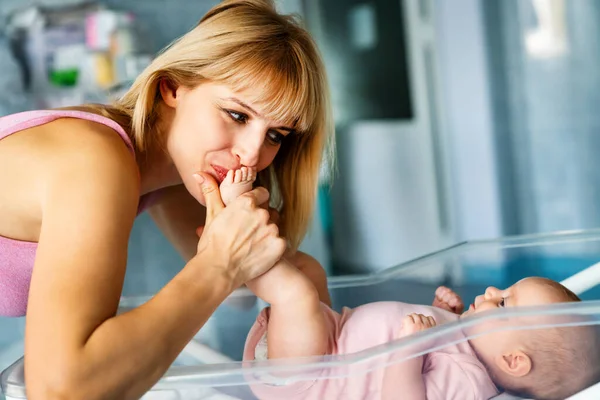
(501, 304)
(238, 117)
(275, 137)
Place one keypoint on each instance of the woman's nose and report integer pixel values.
(247, 150)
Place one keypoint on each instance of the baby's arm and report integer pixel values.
(296, 326)
(407, 376)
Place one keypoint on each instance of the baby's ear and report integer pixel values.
(514, 363)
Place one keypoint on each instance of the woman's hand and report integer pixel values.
(239, 239)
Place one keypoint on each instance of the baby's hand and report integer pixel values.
(414, 323)
(448, 300)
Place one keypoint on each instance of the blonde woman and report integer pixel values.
(244, 91)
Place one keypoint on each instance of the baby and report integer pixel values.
(544, 364)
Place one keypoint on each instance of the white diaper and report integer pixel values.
(261, 351)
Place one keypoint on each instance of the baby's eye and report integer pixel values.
(501, 304)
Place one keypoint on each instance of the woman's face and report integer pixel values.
(214, 129)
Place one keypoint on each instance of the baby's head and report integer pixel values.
(550, 363)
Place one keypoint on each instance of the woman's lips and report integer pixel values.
(220, 172)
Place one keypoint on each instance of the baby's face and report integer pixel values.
(527, 292)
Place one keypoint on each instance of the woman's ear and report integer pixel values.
(514, 363)
(168, 92)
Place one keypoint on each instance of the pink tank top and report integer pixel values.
(17, 257)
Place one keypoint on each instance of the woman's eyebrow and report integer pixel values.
(246, 106)
(256, 114)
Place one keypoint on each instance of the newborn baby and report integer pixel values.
(538, 364)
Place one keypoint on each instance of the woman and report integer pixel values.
(245, 88)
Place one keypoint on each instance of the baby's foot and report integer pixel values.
(414, 323)
(448, 300)
(236, 183)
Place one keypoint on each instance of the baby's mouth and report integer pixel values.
(468, 311)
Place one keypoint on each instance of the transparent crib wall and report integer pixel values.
(11, 340)
(446, 351)
(468, 268)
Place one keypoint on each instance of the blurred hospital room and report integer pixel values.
(467, 147)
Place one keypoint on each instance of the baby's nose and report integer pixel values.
(490, 292)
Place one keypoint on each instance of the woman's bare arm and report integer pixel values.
(177, 214)
(75, 345)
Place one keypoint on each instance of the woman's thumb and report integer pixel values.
(212, 195)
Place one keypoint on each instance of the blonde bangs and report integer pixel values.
(279, 84)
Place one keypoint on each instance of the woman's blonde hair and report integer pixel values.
(249, 46)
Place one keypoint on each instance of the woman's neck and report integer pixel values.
(156, 167)
(157, 171)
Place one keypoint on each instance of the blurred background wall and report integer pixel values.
(455, 120)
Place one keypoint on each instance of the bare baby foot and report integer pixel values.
(237, 182)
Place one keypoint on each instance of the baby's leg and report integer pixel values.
(296, 323)
(310, 267)
(297, 326)
(236, 183)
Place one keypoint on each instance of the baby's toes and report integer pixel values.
(251, 174)
(238, 176)
(229, 177)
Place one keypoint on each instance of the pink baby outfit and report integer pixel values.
(450, 373)
(17, 257)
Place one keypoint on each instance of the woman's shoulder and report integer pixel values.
(67, 142)
(75, 142)
(73, 162)
(89, 166)
(90, 145)
(60, 126)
